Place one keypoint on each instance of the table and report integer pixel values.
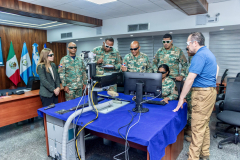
(162, 130)
(21, 107)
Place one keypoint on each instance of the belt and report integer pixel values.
(202, 89)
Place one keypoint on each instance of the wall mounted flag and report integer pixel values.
(25, 64)
(1, 55)
(12, 68)
(35, 58)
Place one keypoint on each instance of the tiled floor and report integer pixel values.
(26, 141)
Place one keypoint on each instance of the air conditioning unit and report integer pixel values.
(138, 27)
(66, 35)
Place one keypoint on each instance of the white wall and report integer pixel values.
(175, 20)
(159, 21)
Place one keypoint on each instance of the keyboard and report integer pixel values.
(156, 102)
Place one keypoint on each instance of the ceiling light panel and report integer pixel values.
(101, 1)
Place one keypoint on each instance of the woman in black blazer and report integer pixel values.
(49, 78)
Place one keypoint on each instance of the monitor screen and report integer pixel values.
(152, 82)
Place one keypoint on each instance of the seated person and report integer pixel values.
(168, 85)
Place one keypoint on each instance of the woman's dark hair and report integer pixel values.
(165, 67)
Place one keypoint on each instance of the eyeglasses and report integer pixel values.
(72, 47)
(134, 49)
(108, 46)
(161, 72)
(188, 43)
(50, 55)
(168, 41)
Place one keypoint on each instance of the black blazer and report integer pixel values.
(47, 83)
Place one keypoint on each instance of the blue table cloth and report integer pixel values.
(156, 129)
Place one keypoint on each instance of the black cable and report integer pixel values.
(127, 128)
(126, 125)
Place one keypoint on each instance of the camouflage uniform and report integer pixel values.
(112, 57)
(172, 58)
(140, 63)
(188, 97)
(72, 74)
(168, 89)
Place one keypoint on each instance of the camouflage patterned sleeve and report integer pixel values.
(61, 71)
(84, 74)
(118, 62)
(183, 61)
(155, 62)
(95, 52)
(149, 66)
(171, 89)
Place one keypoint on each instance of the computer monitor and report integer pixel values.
(142, 82)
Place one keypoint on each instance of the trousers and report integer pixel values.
(203, 100)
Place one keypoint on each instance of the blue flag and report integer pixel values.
(44, 46)
(35, 58)
(25, 65)
(1, 56)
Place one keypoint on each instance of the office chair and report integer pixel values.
(30, 81)
(230, 114)
(221, 96)
(179, 85)
(238, 75)
(221, 86)
(218, 104)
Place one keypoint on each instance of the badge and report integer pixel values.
(60, 66)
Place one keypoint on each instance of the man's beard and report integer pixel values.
(191, 53)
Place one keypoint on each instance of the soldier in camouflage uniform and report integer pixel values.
(136, 61)
(107, 55)
(188, 129)
(72, 73)
(168, 85)
(172, 56)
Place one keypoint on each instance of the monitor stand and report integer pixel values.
(139, 98)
